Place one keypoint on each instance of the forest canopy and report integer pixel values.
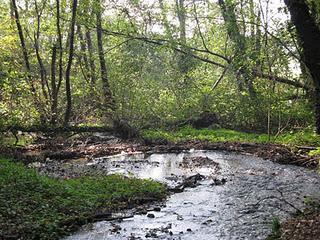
(157, 63)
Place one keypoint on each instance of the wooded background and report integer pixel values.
(156, 63)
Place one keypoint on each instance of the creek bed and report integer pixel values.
(256, 191)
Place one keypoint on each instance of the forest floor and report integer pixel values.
(290, 149)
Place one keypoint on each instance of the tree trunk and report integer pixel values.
(60, 50)
(43, 72)
(243, 74)
(54, 92)
(184, 60)
(69, 64)
(83, 55)
(38, 104)
(309, 34)
(108, 100)
(23, 45)
(91, 58)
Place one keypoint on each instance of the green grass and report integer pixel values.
(276, 226)
(225, 135)
(39, 207)
(315, 152)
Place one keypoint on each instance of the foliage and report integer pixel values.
(223, 135)
(38, 207)
(143, 53)
(315, 152)
(313, 205)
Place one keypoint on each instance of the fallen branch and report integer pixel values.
(192, 52)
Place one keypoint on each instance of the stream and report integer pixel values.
(255, 192)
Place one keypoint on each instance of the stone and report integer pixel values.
(157, 209)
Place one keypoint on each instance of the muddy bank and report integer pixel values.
(274, 152)
(301, 228)
(99, 145)
(304, 226)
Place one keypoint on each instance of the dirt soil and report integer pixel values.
(304, 227)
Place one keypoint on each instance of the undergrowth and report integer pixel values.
(308, 138)
(38, 207)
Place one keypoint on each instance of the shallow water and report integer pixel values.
(255, 193)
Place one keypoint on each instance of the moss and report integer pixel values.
(39, 207)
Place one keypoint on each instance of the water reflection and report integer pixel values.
(243, 208)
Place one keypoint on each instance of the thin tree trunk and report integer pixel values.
(54, 99)
(36, 101)
(258, 43)
(55, 85)
(59, 45)
(309, 34)
(83, 53)
(91, 58)
(183, 60)
(23, 45)
(43, 72)
(109, 103)
(69, 64)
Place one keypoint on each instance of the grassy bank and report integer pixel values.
(307, 138)
(38, 207)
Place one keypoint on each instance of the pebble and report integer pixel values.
(153, 235)
(157, 209)
(179, 217)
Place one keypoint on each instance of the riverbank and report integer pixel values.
(300, 148)
(214, 135)
(39, 207)
(304, 225)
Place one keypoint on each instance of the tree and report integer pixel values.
(108, 100)
(69, 64)
(147, 62)
(57, 48)
(240, 64)
(309, 34)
